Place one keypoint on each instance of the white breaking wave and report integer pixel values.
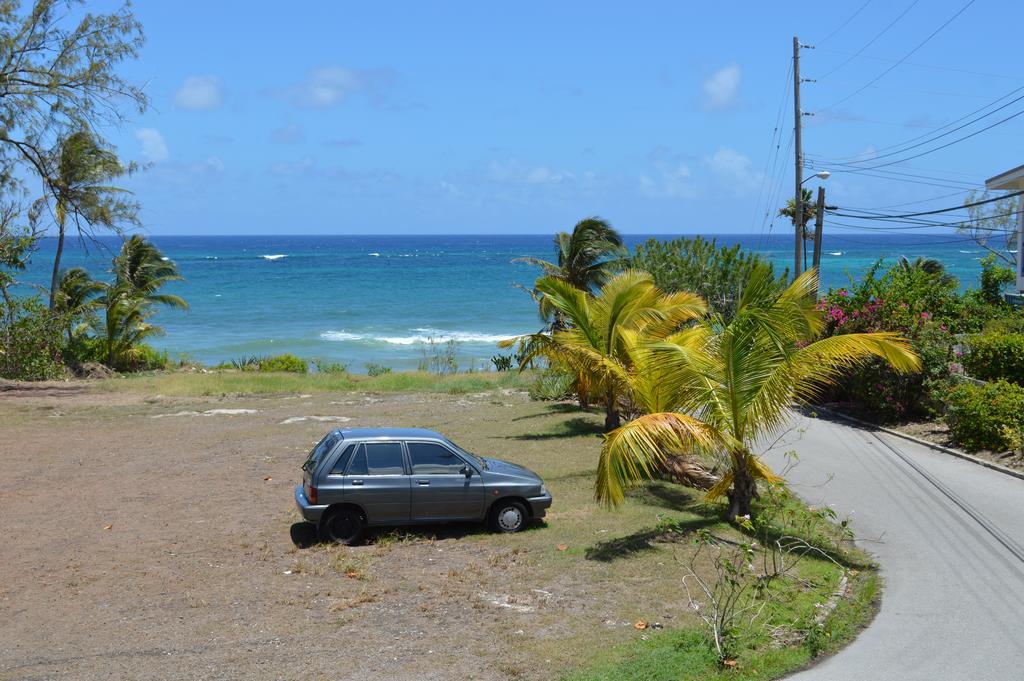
(276, 256)
(835, 253)
(420, 336)
(340, 336)
(374, 255)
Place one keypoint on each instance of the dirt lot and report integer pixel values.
(155, 537)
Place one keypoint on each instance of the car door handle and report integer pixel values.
(357, 482)
(422, 482)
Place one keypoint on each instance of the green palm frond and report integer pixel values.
(635, 451)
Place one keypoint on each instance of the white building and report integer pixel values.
(1013, 181)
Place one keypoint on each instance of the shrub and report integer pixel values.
(147, 358)
(552, 384)
(996, 355)
(244, 363)
(323, 367)
(702, 267)
(993, 278)
(286, 362)
(989, 416)
(439, 357)
(502, 362)
(373, 369)
(30, 341)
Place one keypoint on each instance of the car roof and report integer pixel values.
(386, 433)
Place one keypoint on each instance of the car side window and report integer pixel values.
(384, 458)
(358, 466)
(342, 462)
(432, 459)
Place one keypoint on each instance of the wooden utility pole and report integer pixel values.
(819, 223)
(798, 198)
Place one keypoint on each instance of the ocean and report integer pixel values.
(378, 299)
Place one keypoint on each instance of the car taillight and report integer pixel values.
(310, 492)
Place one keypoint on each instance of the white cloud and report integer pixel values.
(735, 169)
(514, 172)
(721, 88)
(199, 93)
(672, 181)
(326, 86)
(154, 148)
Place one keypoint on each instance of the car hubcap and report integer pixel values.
(342, 528)
(510, 518)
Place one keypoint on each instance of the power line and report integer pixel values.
(911, 203)
(955, 208)
(872, 41)
(936, 137)
(930, 66)
(845, 168)
(772, 155)
(844, 24)
(904, 58)
(947, 144)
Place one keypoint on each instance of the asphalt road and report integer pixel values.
(949, 536)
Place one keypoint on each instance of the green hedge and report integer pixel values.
(286, 362)
(994, 356)
(989, 416)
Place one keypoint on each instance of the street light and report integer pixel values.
(821, 175)
(798, 221)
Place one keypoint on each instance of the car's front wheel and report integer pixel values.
(508, 516)
(342, 526)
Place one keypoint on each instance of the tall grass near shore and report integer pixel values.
(251, 383)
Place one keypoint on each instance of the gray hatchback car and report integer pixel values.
(360, 477)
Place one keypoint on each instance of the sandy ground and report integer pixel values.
(155, 538)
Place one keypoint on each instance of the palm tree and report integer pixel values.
(140, 271)
(81, 192)
(77, 299)
(598, 344)
(789, 211)
(728, 385)
(930, 266)
(586, 258)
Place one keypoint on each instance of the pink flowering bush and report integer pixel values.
(913, 303)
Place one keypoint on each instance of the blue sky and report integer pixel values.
(463, 117)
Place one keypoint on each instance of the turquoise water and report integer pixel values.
(362, 299)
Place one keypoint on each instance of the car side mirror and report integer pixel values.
(467, 471)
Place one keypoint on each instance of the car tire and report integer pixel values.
(342, 526)
(508, 516)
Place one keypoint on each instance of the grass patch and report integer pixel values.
(684, 654)
(230, 382)
(785, 636)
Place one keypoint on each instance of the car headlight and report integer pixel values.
(543, 490)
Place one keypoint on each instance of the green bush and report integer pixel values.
(502, 362)
(552, 385)
(989, 416)
(286, 362)
(716, 273)
(373, 369)
(324, 367)
(30, 341)
(147, 358)
(996, 355)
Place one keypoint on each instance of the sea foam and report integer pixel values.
(421, 335)
(276, 256)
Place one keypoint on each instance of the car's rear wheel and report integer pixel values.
(508, 516)
(342, 526)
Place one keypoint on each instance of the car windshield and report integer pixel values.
(321, 448)
(479, 459)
